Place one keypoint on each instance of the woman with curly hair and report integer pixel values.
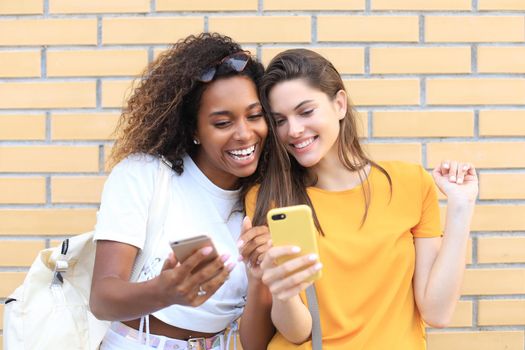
(196, 106)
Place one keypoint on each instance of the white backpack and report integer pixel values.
(50, 310)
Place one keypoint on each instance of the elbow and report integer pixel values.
(437, 321)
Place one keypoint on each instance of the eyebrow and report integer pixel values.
(295, 108)
(226, 112)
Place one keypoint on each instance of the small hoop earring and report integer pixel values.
(197, 142)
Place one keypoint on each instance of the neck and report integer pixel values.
(333, 175)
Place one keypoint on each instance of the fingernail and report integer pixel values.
(240, 242)
(312, 257)
(240, 258)
(225, 257)
(452, 178)
(296, 249)
(230, 266)
(446, 165)
(465, 167)
(318, 266)
(460, 181)
(206, 250)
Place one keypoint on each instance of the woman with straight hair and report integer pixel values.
(387, 267)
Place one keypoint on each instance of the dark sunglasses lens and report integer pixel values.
(238, 62)
(208, 75)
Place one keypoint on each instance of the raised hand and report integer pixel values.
(458, 181)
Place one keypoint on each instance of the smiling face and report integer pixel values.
(231, 130)
(307, 120)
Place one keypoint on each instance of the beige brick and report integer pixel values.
(308, 5)
(495, 5)
(85, 126)
(501, 249)
(116, 93)
(462, 315)
(501, 312)
(22, 190)
(19, 64)
(206, 5)
(481, 154)
(474, 29)
(493, 281)
(408, 152)
(481, 340)
(48, 32)
(46, 221)
(368, 28)
(93, 63)
(347, 60)
(489, 218)
(71, 94)
(19, 253)
(502, 123)
(10, 280)
(98, 6)
(437, 60)
(77, 189)
(428, 5)
(22, 127)
(423, 124)
(362, 123)
(502, 186)
(21, 7)
(383, 92)
(474, 91)
(49, 159)
(252, 29)
(156, 30)
(501, 59)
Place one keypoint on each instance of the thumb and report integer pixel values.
(246, 224)
(170, 262)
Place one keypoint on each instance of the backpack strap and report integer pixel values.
(156, 215)
(313, 306)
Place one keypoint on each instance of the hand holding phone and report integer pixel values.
(185, 247)
(294, 226)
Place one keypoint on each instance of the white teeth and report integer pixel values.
(243, 152)
(304, 143)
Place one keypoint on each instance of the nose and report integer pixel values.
(295, 127)
(243, 130)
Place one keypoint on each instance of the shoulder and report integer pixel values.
(411, 174)
(250, 200)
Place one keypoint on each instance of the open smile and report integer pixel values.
(242, 154)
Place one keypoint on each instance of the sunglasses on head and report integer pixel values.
(236, 61)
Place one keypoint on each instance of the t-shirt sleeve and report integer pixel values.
(126, 197)
(429, 224)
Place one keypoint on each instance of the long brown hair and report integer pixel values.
(285, 180)
(161, 115)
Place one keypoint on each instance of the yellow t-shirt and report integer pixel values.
(366, 299)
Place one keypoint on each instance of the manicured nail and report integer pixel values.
(452, 178)
(465, 167)
(296, 249)
(318, 266)
(240, 242)
(240, 258)
(206, 250)
(312, 257)
(460, 181)
(225, 257)
(446, 165)
(230, 266)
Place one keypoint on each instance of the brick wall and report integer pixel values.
(432, 79)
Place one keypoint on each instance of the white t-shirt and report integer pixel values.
(196, 206)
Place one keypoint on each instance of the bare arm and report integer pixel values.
(440, 262)
(256, 329)
(113, 297)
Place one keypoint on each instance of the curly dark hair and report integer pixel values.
(161, 114)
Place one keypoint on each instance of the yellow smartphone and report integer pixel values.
(294, 226)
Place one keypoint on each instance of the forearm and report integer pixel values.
(256, 329)
(292, 319)
(114, 299)
(443, 287)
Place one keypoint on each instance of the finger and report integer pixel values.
(254, 244)
(206, 289)
(277, 252)
(453, 172)
(462, 171)
(209, 270)
(444, 167)
(289, 268)
(295, 279)
(170, 262)
(246, 225)
(201, 255)
(251, 234)
(289, 293)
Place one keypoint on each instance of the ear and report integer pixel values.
(341, 103)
